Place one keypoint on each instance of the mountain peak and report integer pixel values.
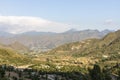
(71, 30)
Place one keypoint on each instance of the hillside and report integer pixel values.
(18, 47)
(109, 40)
(104, 51)
(9, 56)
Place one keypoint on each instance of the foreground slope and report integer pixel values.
(9, 56)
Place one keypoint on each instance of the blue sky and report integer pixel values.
(79, 14)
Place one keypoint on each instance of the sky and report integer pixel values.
(17, 16)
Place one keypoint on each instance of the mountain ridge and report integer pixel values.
(44, 41)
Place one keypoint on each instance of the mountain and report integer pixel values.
(44, 41)
(106, 31)
(35, 33)
(5, 34)
(92, 43)
(71, 30)
(104, 51)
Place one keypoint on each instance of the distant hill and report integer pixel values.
(35, 33)
(44, 41)
(5, 34)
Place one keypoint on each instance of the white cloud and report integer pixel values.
(19, 24)
(109, 22)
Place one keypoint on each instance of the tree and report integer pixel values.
(2, 73)
(20, 74)
(95, 73)
(118, 75)
(106, 74)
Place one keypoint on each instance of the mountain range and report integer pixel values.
(44, 41)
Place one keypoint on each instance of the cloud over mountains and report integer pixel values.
(19, 24)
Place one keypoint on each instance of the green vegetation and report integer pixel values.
(8, 56)
(95, 73)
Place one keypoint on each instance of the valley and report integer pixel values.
(65, 59)
(59, 40)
